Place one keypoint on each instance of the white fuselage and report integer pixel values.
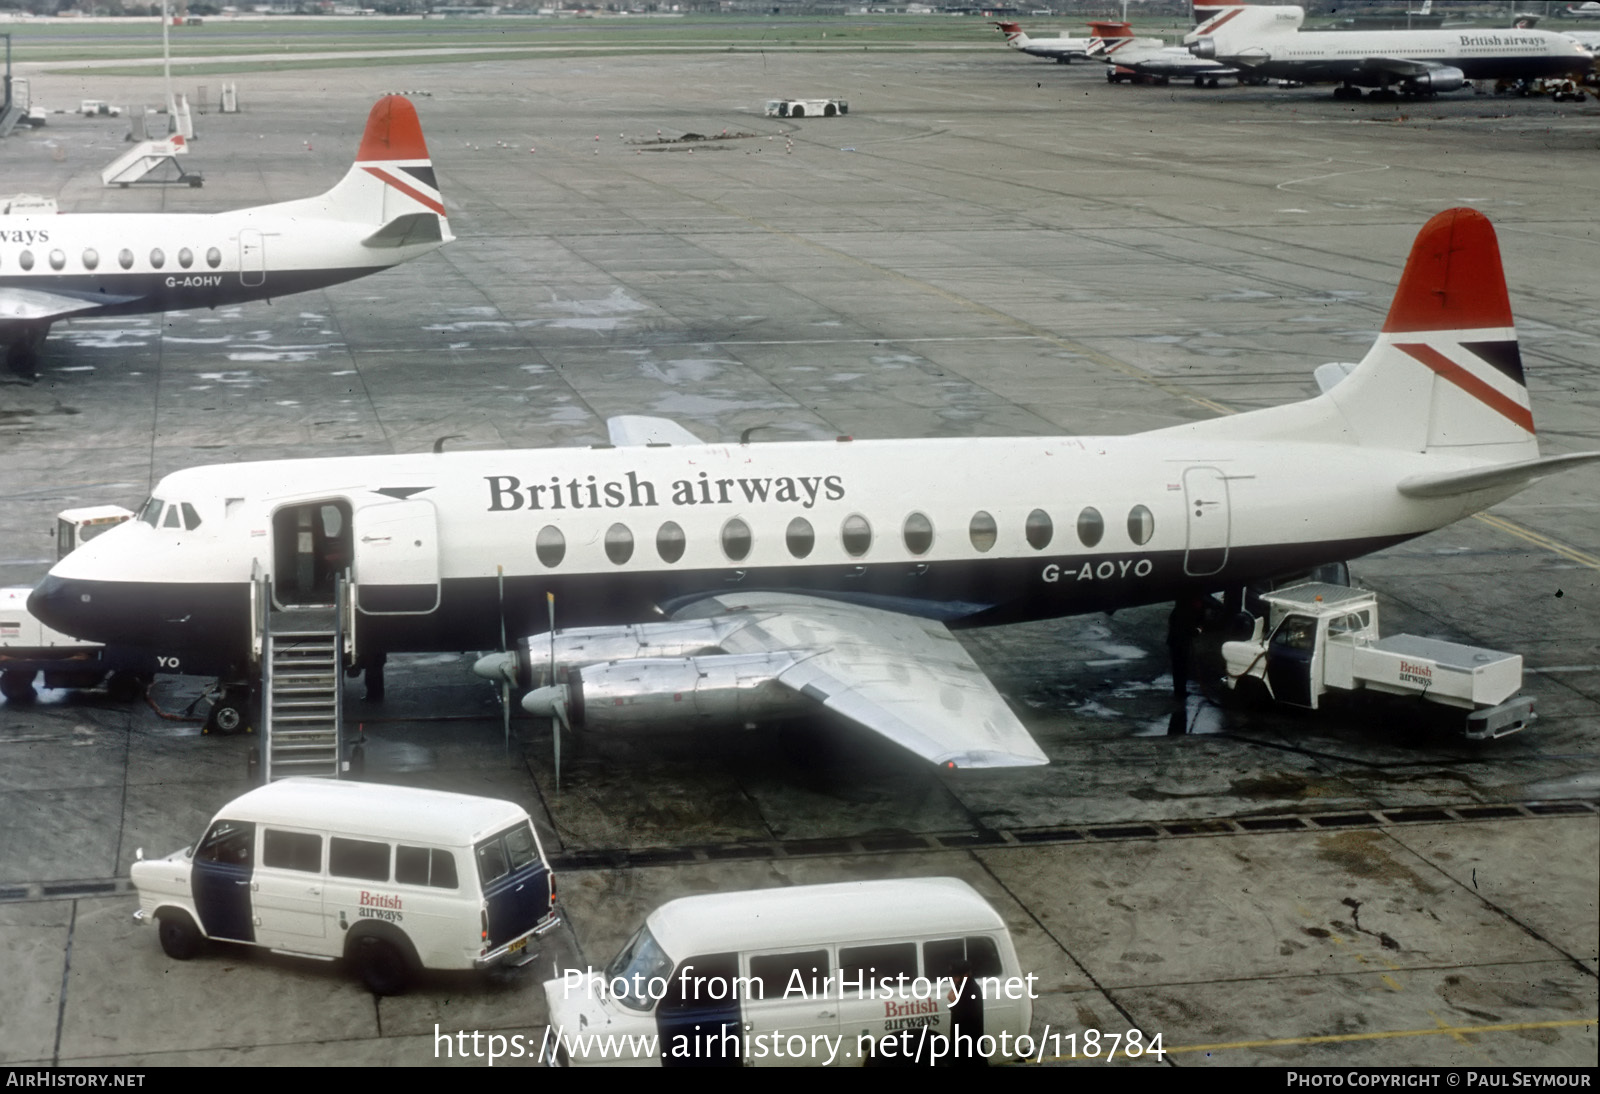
(441, 547)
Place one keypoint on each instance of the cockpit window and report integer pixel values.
(151, 513)
(191, 519)
(173, 519)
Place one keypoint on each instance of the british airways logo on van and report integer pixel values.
(380, 900)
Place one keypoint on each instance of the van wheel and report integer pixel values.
(382, 966)
(180, 938)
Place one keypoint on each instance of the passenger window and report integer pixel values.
(91, 258)
(857, 534)
(982, 531)
(425, 866)
(800, 537)
(228, 842)
(58, 260)
(619, 543)
(158, 257)
(670, 542)
(1039, 530)
(736, 539)
(358, 858)
(213, 258)
(1091, 526)
(186, 258)
(292, 851)
(698, 981)
(941, 958)
(125, 259)
(918, 534)
(550, 546)
(873, 964)
(1141, 525)
(786, 975)
(25, 260)
(191, 519)
(173, 519)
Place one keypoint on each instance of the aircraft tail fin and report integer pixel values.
(1108, 31)
(1445, 374)
(392, 177)
(1013, 33)
(1226, 26)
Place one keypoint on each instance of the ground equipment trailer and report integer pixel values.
(1319, 639)
(28, 647)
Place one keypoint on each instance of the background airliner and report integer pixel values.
(732, 582)
(1152, 57)
(386, 210)
(1266, 40)
(1061, 48)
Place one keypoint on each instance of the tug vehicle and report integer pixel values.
(1319, 640)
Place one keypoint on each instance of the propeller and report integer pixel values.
(511, 668)
(504, 668)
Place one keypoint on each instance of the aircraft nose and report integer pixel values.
(49, 602)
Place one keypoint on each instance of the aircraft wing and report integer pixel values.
(32, 305)
(904, 678)
(1397, 66)
(628, 430)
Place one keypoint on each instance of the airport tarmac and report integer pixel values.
(983, 245)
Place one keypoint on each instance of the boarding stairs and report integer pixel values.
(302, 651)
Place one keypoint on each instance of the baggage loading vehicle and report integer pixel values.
(390, 878)
(1318, 640)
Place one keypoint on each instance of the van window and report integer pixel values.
(510, 850)
(635, 965)
(941, 958)
(871, 964)
(292, 850)
(703, 981)
(425, 866)
(358, 858)
(787, 975)
(228, 842)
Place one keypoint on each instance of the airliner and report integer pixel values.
(1130, 57)
(700, 584)
(1266, 40)
(386, 210)
(1061, 49)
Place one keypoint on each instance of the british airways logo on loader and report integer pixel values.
(508, 494)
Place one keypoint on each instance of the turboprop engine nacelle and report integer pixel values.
(581, 646)
(687, 693)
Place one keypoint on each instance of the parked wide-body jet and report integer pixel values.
(385, 211)
(1266, 41)
(1151, 58)
(713, 582)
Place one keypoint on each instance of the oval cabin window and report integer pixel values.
(125, 259)
(619, 543)
(158, 257)
(213, 258)
(1141, 525)
(1039, 530)
(918, 534)
(550, 546)
(857, 535)
(736, 539)
(186, 258)
(1091, 526)
(800, 537)
(670, 542)
(982, 531)
(91, 258)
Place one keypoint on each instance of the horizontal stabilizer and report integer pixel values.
(409, 230)
(1451, 483)
(629, 430)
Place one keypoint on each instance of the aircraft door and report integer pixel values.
(311, 547)
(1206, 491)
(397, 559)
(219, 879)
(252, 257)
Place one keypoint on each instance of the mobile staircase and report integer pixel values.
(302, 653)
